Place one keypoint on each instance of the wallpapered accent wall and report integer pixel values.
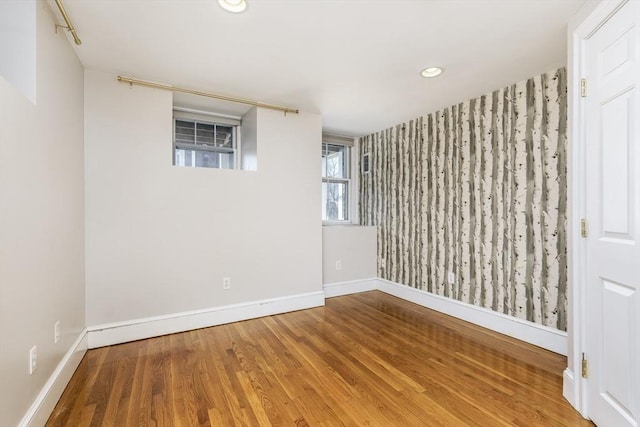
(478, 189)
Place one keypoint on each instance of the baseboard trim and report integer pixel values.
(532, 333)
(45, 402)
(568, 387)
(337, 289)
(137, 329)
(116, 333)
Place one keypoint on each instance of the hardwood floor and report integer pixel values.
(368, 359)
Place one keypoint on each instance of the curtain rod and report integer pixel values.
(69, 26)
(171, 88)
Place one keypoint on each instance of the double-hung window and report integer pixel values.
(336, 182)
(204, 143)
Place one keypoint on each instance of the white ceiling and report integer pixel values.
(355, 61)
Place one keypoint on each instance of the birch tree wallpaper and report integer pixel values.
(477, 190)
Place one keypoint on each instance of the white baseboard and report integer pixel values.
(137, 329)
(533, 333)
(116, 333)
(43, 405)
(337, 289)
(568, 387)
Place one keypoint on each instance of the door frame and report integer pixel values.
(584, 24)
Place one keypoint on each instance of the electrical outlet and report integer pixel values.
(338, 265)
(33, 359)
(382, 263)
(452, 278)
(56, 332)
(226, 283)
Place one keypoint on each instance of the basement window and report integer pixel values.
(336, 182)
(204, 142)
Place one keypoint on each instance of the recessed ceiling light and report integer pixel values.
(431, 72)
(235, 6)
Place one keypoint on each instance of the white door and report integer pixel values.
(613, 213)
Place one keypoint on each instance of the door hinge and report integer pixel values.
(583, 227)
(583, 88)
(585, 365)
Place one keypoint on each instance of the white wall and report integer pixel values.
(249, 146)
(41, 220)
(160, 238)
(18, 45)
(354, 246)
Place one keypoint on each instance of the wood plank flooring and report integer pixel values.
(368, 359)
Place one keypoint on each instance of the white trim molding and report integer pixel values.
(137, 329)
(532, 333)
(350, 287)
(568, 387)
(585, 22)
(45, 402)
(120, 332)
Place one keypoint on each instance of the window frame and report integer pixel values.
(348, 164)
(206, 120)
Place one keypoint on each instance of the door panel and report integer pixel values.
(615, 168)
(613, 212)
(617, 54)
(617, 302)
